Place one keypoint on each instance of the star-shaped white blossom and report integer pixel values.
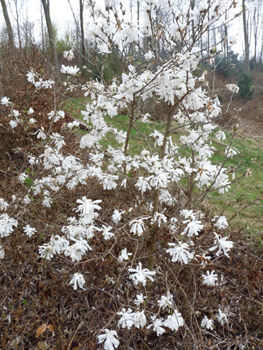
(210, 279)
(139, 275)
(207, 323)
(110, 339)
(180, 252)
(222, 244)
(77, 281)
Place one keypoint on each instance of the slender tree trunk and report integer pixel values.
(83, 53)
(131, 9)
(226, 39)
(245, 29)
(46, 8)
(208, 36)
(192, 4)
(138, 14)
(8, 23)
(256, 30)
(18, 26)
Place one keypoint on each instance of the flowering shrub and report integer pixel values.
(163, 184)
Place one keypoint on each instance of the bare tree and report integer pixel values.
(82, 36)
(245, 29)
(8, 23)
(46, 7)
(256, 25)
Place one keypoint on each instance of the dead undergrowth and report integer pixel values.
(36, 296)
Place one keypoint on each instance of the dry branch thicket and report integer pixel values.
(40, 310)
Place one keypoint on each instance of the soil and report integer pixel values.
(247, 114)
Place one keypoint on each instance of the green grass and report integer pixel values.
(248, 189)
(119, 122)
(242, 193)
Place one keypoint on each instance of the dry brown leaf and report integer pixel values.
(50, 327)
(41, 329)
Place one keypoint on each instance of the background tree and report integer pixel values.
(82, 36)
(246, 42)
(8, 23)
(46, 7)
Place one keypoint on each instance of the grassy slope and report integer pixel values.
(242, 193)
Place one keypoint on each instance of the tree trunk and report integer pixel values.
(226, 39)
(46, 8)
(245, 29)
(192, 4)
(208, 35)
(138, 14)
(8, 23)
(83, 53)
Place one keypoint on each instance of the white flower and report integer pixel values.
(40, 134)
(137, 227)
(222, 244)
(149, 55)
(233, 88)
(29, 231)
(31, 76)
(87, 207)
(127, 319)
(193, 227)
(77, 250)
(58, 140)
(165, 301)
(30, 111)
(210, 279)
(27, 199)
(174, 321)
(158, 137)
(139, 300)
(72, 125)
(15, 113)
(157, 323)
(206, 323)
(3, 204)
(110, 341)
(69, 70)
(69, 55)
(32, 121)
(6, 225)
(108, 182)
(139, 319)
(159, 218)
(140, 274)
(47, 201)
(2, 252)
(46, 251)
(230, 152)
(180, 252)
(220, 135)
(221, 317)
(116, 216)
(142, 184)
(106, 232)
(13, 123)
(221, 222)
(77, 280)
(5, 101)
(124, 255)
